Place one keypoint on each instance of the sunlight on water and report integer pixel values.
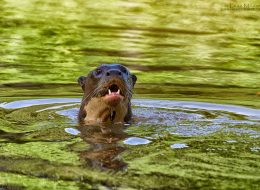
(196, 101)
(136, 141)
(179, 145)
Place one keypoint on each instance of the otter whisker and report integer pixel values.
(108, 91)
(90, 95)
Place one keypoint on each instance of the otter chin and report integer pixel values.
(107, 95)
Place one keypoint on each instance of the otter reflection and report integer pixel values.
(104, 148)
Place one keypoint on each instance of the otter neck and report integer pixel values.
(98, 111)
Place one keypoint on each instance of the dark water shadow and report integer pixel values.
(11, 187)
(104, 146)
(12, 137)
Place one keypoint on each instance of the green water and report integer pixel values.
(179, 50)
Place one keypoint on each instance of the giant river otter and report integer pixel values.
(107, 95)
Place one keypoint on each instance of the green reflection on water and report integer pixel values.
(181, 43)
(50, 158)
(179, 50)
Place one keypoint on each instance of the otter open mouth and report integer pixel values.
(114, 95)
(114, 90)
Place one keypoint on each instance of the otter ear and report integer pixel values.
(81, 82)
(134, 79)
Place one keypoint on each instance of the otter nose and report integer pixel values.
(113, 72)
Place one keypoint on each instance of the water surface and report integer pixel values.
(180, 142)
(196, 98)
(179, 50)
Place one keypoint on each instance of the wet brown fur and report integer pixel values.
(94, 108)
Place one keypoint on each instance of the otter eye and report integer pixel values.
(124, 71)
(98, 71)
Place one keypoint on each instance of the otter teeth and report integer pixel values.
(109, 92)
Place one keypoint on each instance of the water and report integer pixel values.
(196, 101)
(176, 140)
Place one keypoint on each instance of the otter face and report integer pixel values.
(107, 94)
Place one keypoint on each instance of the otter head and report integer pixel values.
(107, 94)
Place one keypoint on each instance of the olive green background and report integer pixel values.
(183, 50)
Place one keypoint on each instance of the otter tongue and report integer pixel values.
(113, 98)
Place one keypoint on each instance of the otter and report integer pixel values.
(107, 95)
